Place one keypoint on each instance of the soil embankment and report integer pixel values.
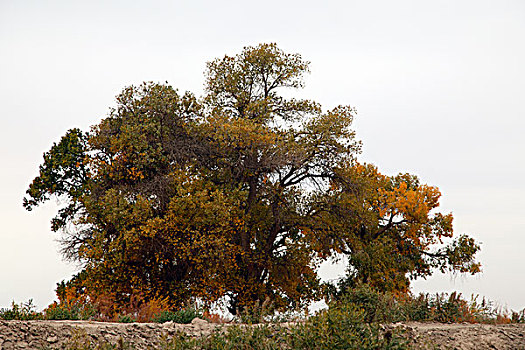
(465, 336)
(56, 334)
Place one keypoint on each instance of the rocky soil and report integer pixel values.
(56, 334)
(466, 336)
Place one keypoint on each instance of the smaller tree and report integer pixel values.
(389, 229)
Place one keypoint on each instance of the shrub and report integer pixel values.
(22, 311)
(376, 306)
(56, 312)
(181, 316)
(256, 312)
(446, 308)
(343, 326)
(417, 308)
(237, 337)
(69, 311)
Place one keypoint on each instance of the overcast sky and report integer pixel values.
(438, 85)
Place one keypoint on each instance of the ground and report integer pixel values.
(55, 334)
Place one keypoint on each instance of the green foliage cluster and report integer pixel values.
(23, 311)
(183, 316)
(85, 311)
(343, 326)
(440, 307)
(71, 311)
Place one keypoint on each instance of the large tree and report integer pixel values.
(236, 195)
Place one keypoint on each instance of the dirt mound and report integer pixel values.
(466, 336)
(56, 334)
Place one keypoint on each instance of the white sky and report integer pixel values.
(438, 85)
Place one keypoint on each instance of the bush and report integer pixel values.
(238, 337)
(376, 306)
(23, 311)
(444, 308)
(343, 326)
(71, 311)
(450, 308)
(181, 316)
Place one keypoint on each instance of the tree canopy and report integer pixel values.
(237, 195)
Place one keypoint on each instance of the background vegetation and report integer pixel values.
(375, 306)
(358, 319)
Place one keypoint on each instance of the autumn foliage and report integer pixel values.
(235, 196)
